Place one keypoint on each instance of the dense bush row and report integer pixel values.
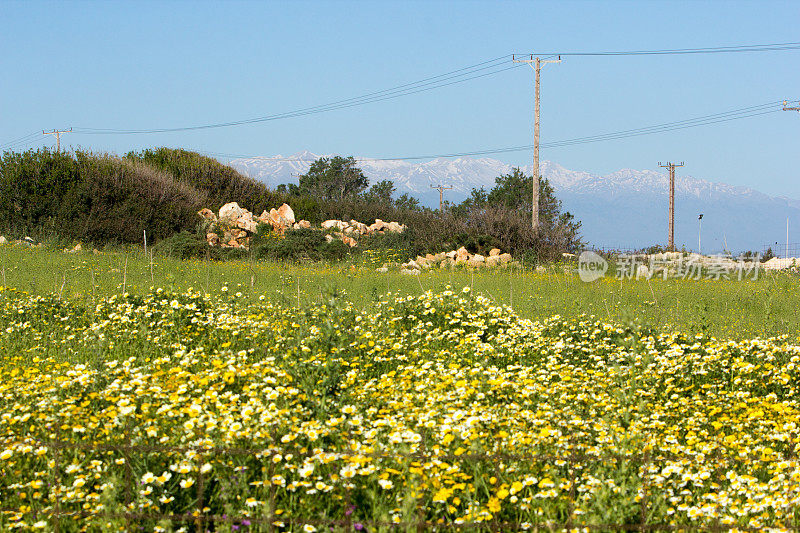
(98, 198)
(104, 199)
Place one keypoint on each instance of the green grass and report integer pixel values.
(725, 309)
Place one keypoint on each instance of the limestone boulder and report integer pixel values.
(207, 214)
(328, 224)
(378, 225)
(212, 239)
(231, 211)
(505, 258)
(395, 227)
(247, 223)
(287, 214)
(411, 265)
(494, 252)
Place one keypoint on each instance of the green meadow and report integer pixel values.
(726, 309)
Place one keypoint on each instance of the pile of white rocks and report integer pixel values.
(234, 226)
(345, 231)
(786, 263)
(454, 258)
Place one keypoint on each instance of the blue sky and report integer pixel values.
(146, 65)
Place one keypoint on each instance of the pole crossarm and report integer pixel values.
(441, 189)
(786, 106)
(57, 133)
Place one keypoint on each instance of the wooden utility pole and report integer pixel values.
(536, 64)
(785, 108)
(57, 133)
(441, 189)
(671, 167)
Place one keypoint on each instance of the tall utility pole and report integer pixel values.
(671, 167)
(786, 108)
(57, 133)
(536, 64)
(441, 189)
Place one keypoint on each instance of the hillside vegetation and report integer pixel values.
(106, 199)
(91, 197)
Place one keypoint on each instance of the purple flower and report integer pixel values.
(350, 510)
(235, 528)
(358, 526)
(245, 522)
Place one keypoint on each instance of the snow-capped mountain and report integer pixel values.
(627, 208)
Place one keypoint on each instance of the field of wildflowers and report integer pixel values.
(176, 410)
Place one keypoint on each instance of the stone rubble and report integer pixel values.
(460, 257)
(234, 226)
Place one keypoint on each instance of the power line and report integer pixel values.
(681, 51)
(21, 140)
(735, 114)
(434, 82)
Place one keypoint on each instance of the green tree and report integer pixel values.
(381, 193)
(513, 193)
(407, 202)
(288, 188)
(333, 178)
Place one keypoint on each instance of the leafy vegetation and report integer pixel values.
(442, 409)
(106, 199)
(98, 198)
(725, 309)
(508, 204)
(217, 184)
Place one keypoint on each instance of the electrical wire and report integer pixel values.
(426, 84)
(432, 82)
(21, 140)
(726, 116)
(680, 51)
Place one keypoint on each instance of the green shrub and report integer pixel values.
(302, 245)
(98, 198)
(188, 245)
(218, 183)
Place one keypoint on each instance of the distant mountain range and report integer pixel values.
(625, 209)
